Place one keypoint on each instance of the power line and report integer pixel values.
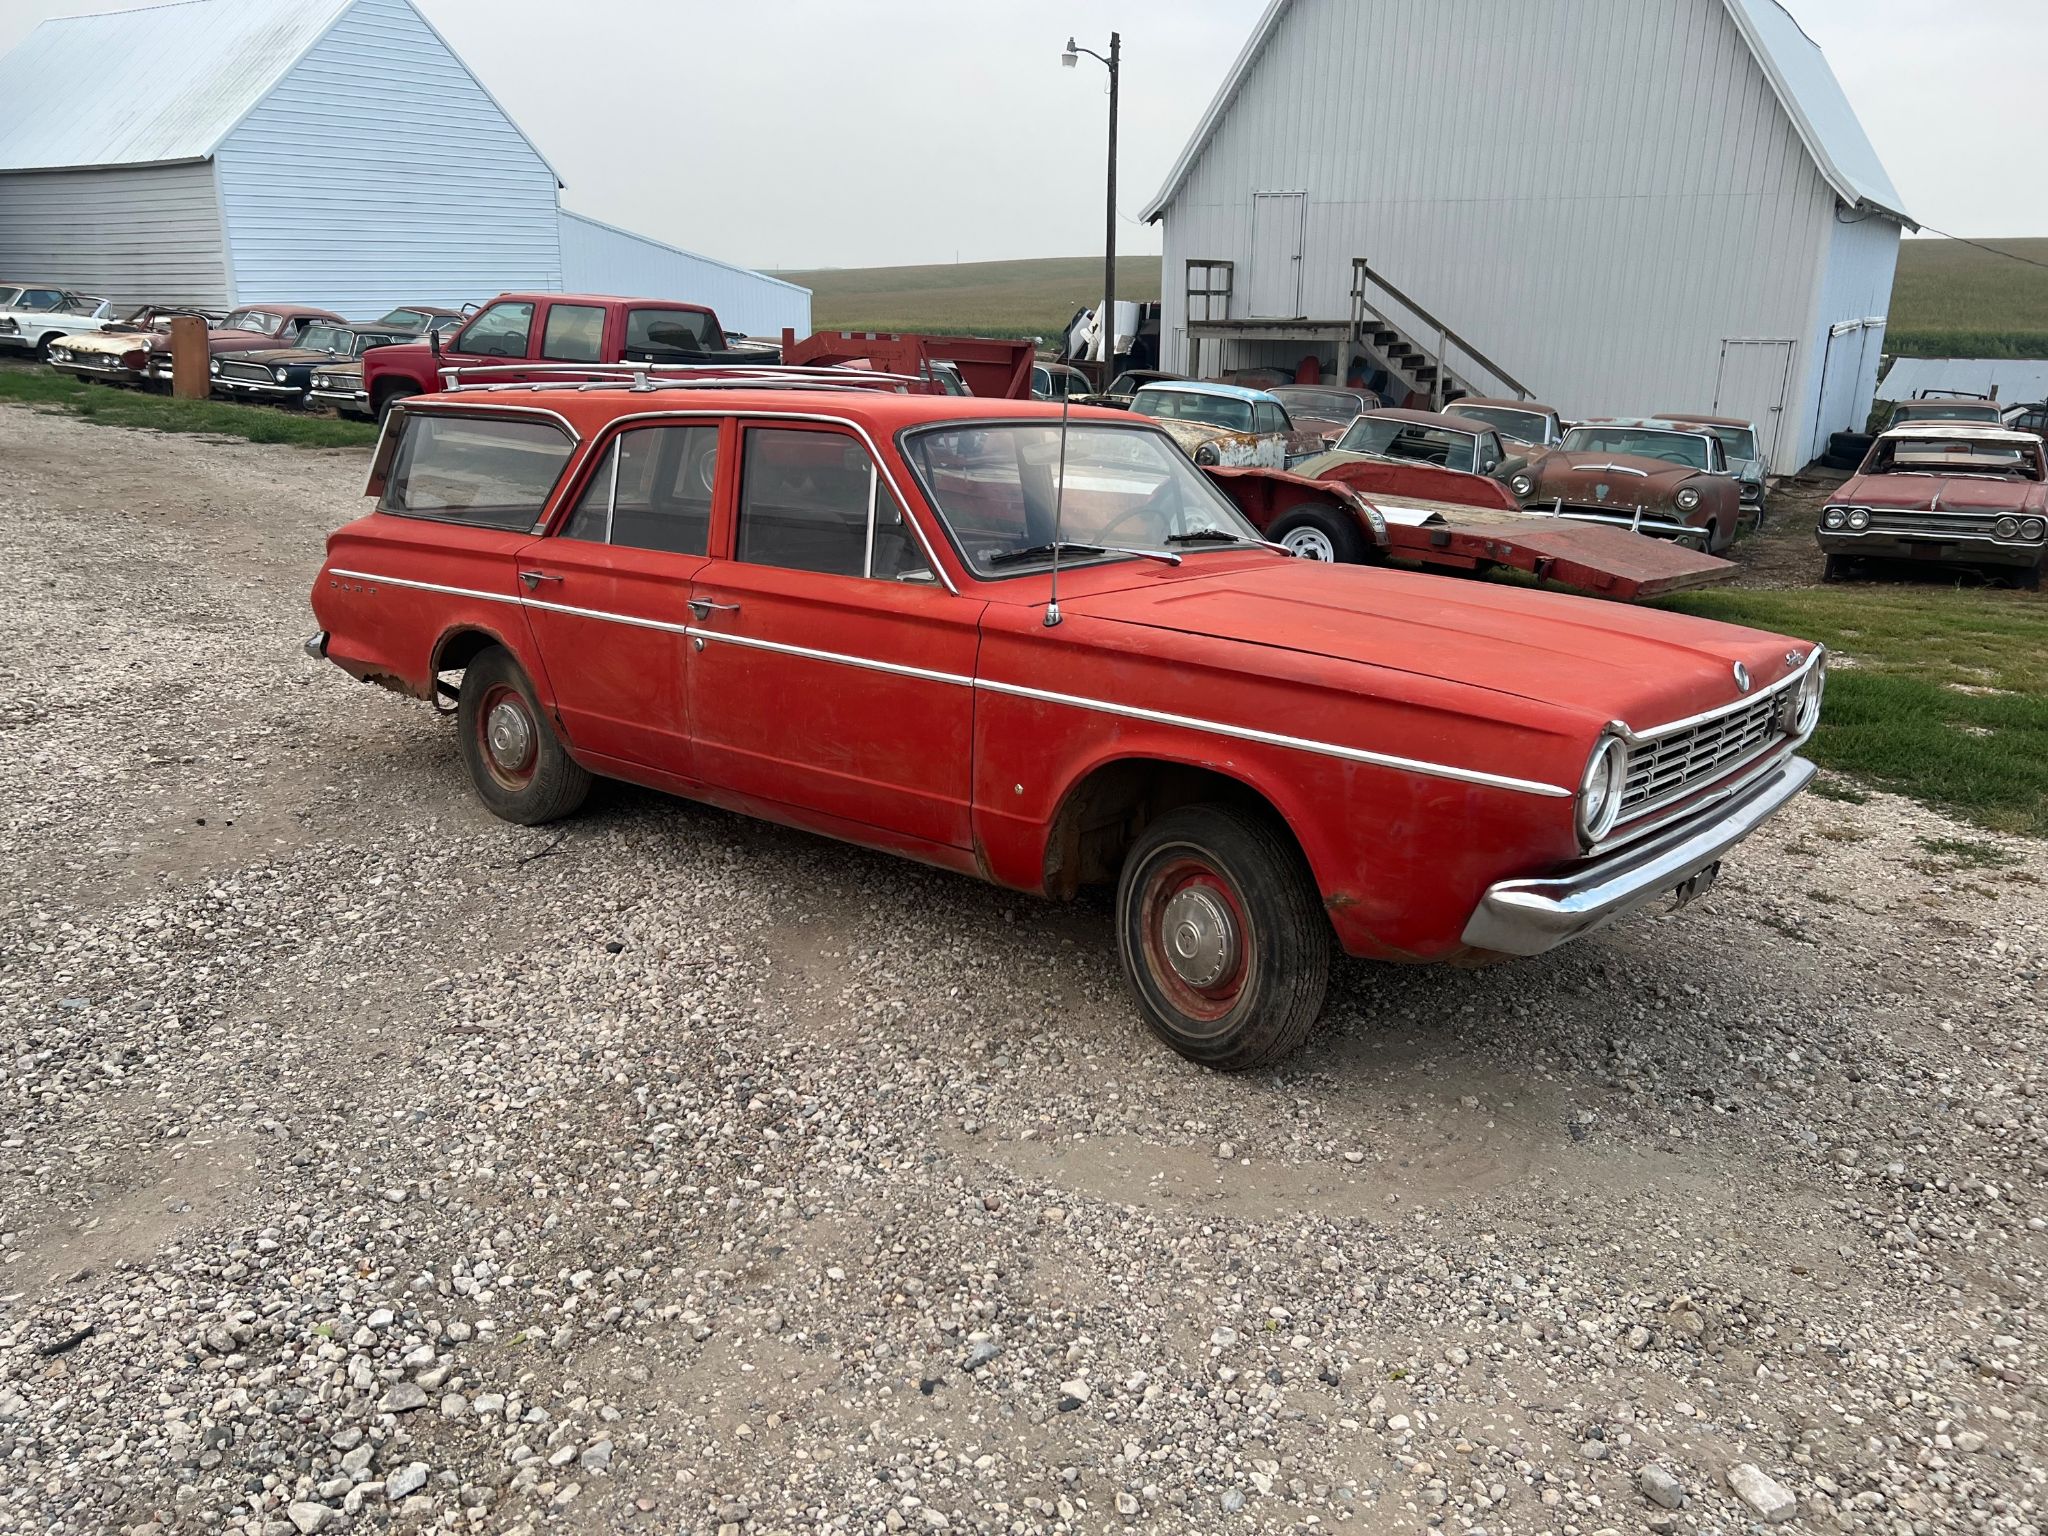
(1980, 245)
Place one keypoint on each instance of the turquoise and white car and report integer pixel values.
(1226, 426)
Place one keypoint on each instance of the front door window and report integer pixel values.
(500, 331)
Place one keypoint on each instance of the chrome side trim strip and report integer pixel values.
(426, 586)
(1274, 739)
(1018, 690)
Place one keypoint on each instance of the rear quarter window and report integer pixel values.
(490, 471)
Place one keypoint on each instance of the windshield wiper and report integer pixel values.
(1069, 547)
(1222, 536)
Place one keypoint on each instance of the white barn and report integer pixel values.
(328, 152)
(1617, 207)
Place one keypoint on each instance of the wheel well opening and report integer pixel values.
(458, 650)
(1103, 814)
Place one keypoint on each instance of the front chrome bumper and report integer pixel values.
(1632, 520)
(1527, 917)
(1944, 547)
(253, 387)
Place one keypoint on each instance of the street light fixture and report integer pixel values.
(1105, 326)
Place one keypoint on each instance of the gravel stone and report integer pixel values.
(1770, 1499)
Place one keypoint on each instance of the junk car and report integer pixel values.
(1226, 424)
(1525, 426)
(1743, 449)
(285, 374)
(1325, 409)
(1415, 437)
(29, 327)
(1945, 493)
(252, 328)
(1647, 475)
(1977, 408)
(1050, 655)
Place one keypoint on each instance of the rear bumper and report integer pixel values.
(1527, 917)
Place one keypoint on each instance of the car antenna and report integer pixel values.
(1059, 498)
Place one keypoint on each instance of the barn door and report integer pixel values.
(1277, 219)
(1754, 379)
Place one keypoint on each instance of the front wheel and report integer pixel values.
(516, 762)
(1223, 937)
(1836, 567)
(395, 397)
(1318, 533)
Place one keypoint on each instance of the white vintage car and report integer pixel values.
(32, 330)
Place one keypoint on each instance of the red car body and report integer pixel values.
(560, 331)
(1943, 492)
(1426, 745)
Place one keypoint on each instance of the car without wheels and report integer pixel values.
(1464, 444)
(1051, 656)
(252, 328)
(1946, 493)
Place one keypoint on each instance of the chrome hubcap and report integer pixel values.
(1200, 937)
(1310, 544)
(508, 732)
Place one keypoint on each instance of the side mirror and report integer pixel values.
(434, 342)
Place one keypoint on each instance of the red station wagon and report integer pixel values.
(837, 607)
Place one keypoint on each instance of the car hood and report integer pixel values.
(1560, 469)
(272, 356)
(1949, 493)
(1607, 661)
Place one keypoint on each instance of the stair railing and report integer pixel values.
(1363, 275)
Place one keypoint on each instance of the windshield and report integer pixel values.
(79, 304)
(1737, 442)
(1321, 402)
(1954, 456)
(1389, 437)
(327, 338)
(1947, 410)
(1522, 426)
(1687, 448)
(405, 319)
(997, 490)
(1184, 405)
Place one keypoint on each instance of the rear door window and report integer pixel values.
(1268, 418)
(492, 471)
(653, 491)
(500, 331)
(574, 334)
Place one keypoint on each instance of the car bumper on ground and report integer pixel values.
(1527, 917)
(1943, 549)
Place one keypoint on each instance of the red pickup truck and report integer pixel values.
(554, 329)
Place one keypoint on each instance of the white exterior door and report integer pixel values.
(1754, 379)
(1277, 220)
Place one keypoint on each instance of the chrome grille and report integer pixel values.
(1931, 524)
(1676, 764)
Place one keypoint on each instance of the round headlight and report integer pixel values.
(1834, 517)
(279, 374)
(214, 366)
(1601, 789)
(1859, 519)
(1207, 454)
(2007, 527)
(1799, 712)
(1688, 498)
(1522, 485)
(2033, 528)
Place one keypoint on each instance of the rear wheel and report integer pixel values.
(516, 763)
(1314, 532)
(1223, 937)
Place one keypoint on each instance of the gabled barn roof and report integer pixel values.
(164, 83)
(1792, 61)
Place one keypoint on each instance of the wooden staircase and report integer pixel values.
(1401, 345)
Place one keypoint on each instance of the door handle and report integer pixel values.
(533, 579)
(703, 607)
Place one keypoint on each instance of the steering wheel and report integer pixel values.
(1154, 503)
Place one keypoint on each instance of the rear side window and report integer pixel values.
(652, 334)
(574, 334)
(492, 471)
(811, 501)
(653, 491)
(1269, 418)
(500, 331)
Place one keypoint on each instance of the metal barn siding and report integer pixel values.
(601, 258)
(132, 234)
(379, 171)
(1597, 193)
(1848, 341)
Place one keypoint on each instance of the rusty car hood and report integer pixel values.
(1574, 475)
(1950, 493)
(1643, 666)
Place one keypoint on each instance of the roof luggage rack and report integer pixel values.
(647, 377)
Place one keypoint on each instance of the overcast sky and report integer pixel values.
(811, 133)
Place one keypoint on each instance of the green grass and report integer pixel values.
(1943, 694)
(976, 298)
(1954, 300)
(113, 407)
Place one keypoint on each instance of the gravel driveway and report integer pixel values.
(368, 1163)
